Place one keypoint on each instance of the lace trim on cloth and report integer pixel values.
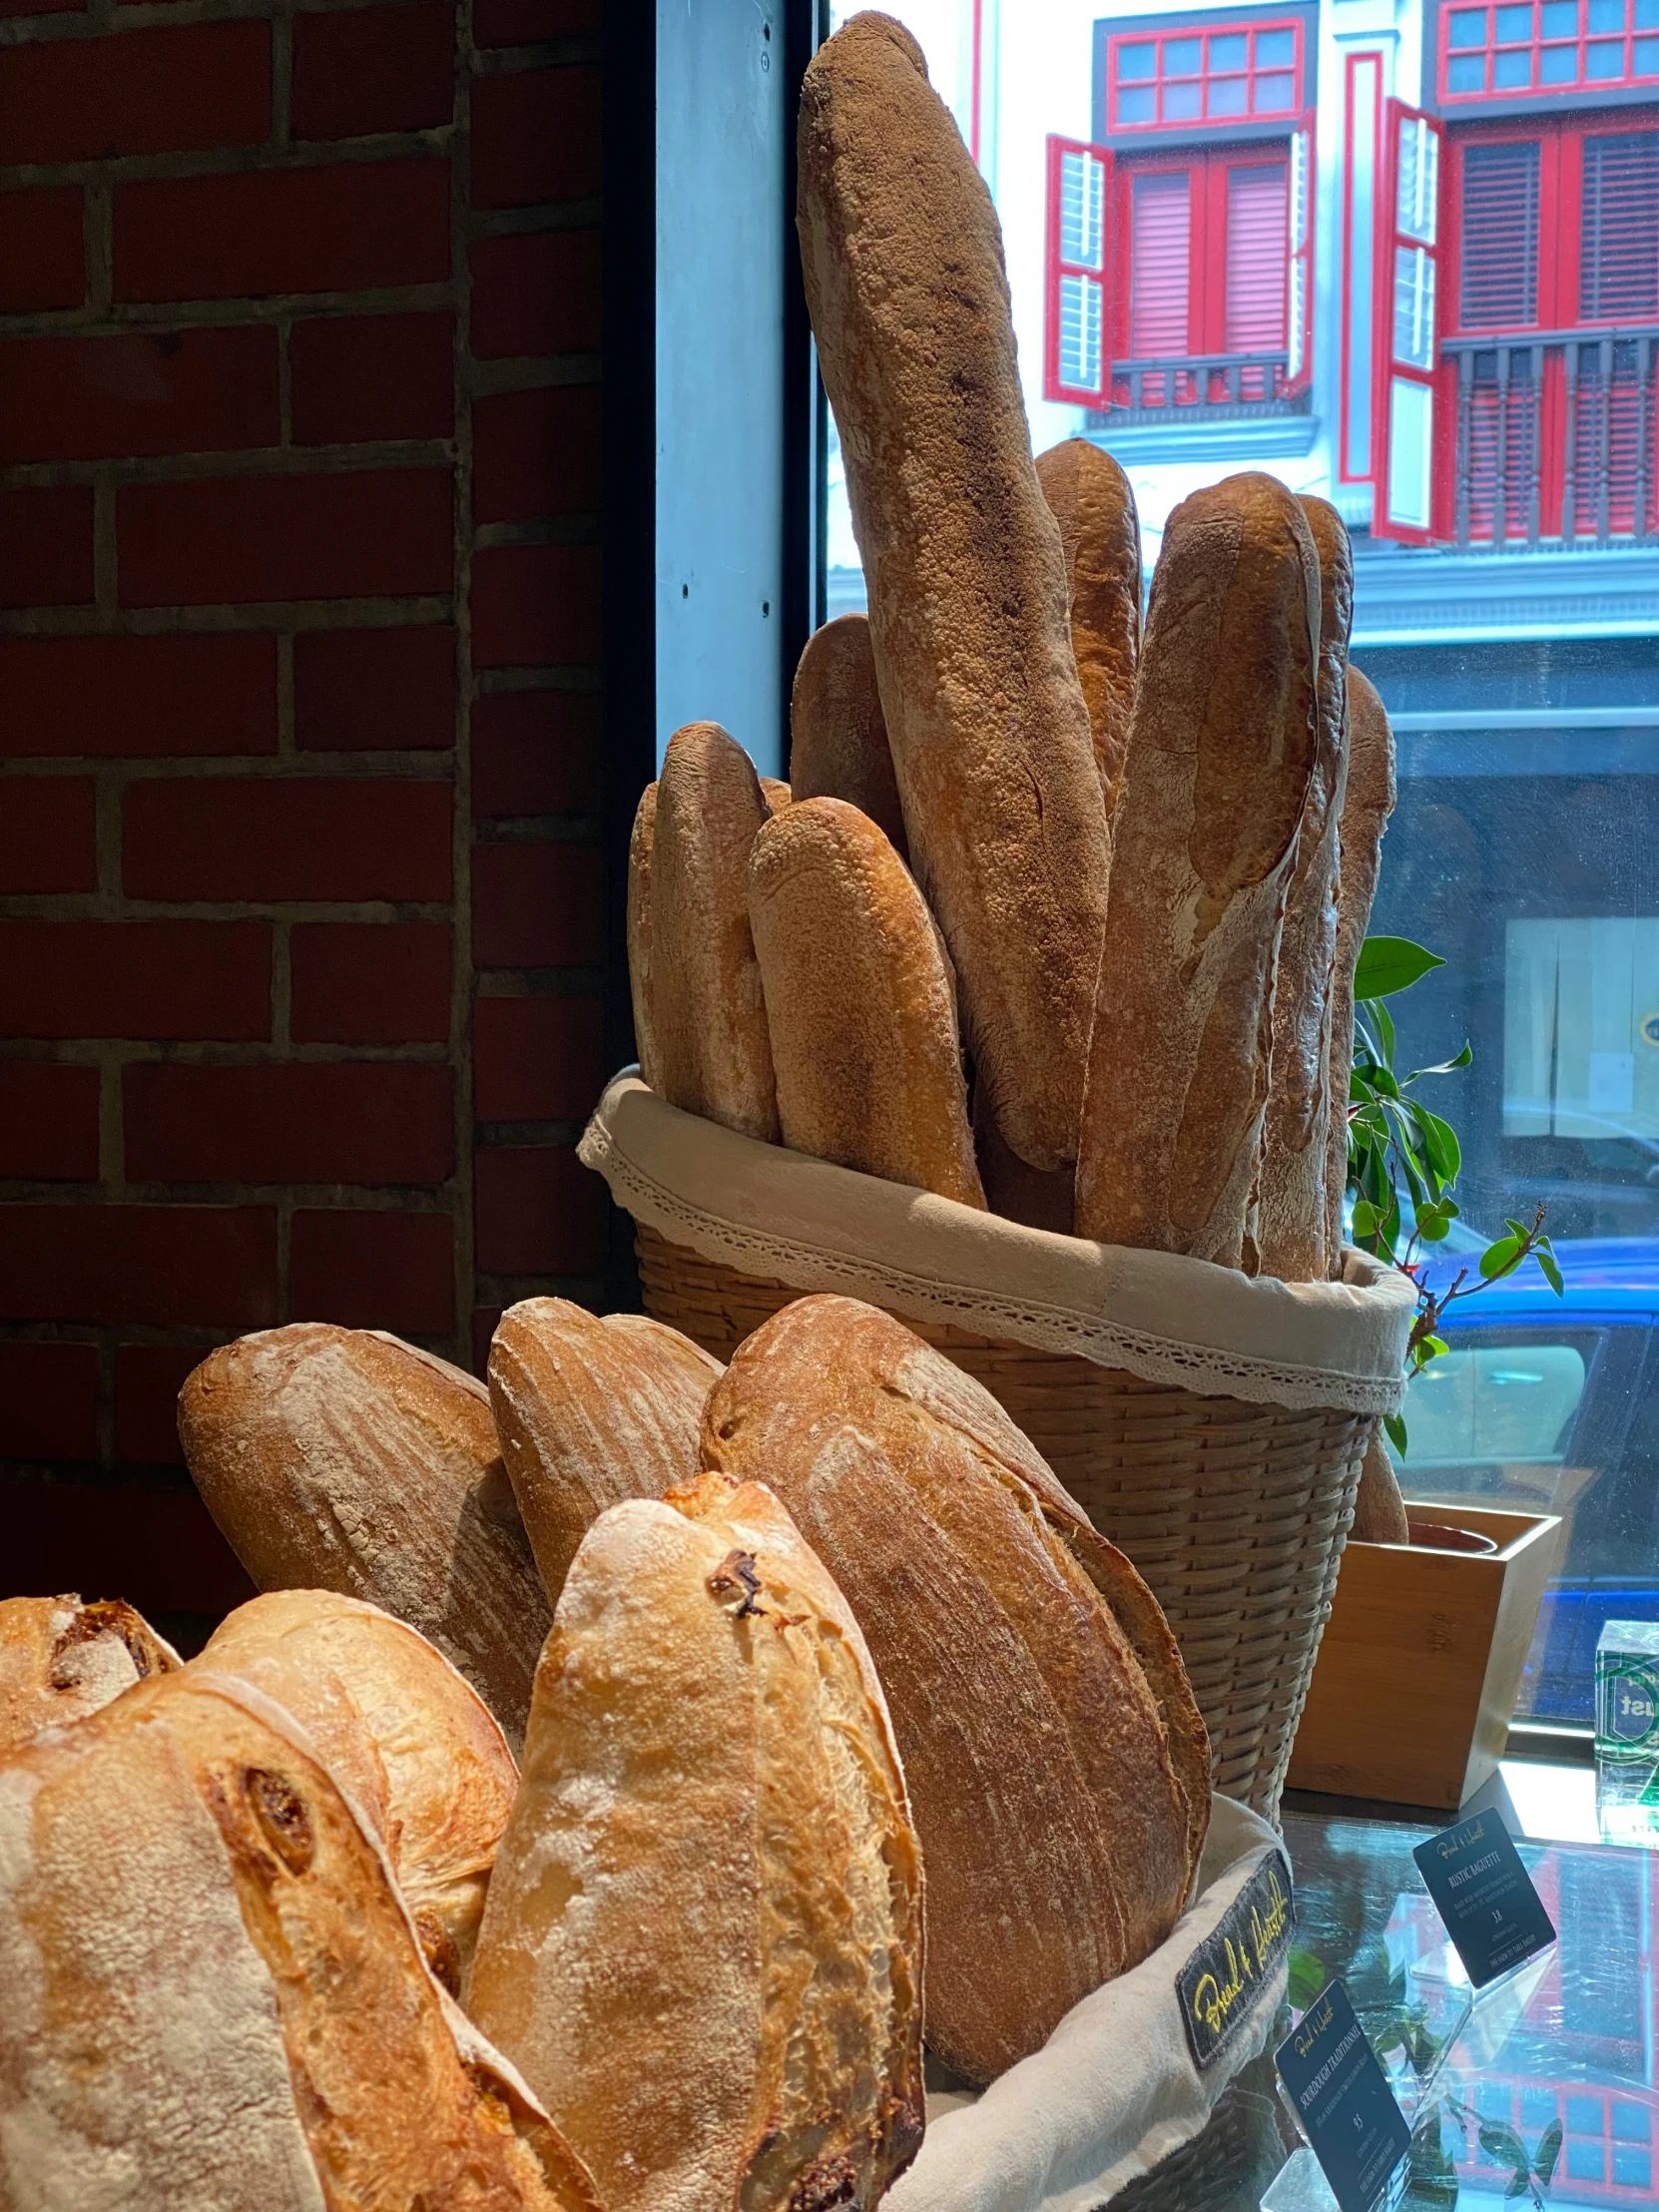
(804, 1264)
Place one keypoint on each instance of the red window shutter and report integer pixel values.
(1404, 323)
(1160, 265)
(1258, 257)
(1299, 305)
(1618, 263)
(1077, 342)
(1497, 236)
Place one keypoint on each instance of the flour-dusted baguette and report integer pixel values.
(214, 1998)
(344, 1460)
(384, 1705)
(1290, 1230)
(703, 1945)
(860, 1003)
(777, 794)
(60, 1659)
(707, 1020)
(1100, 533)
(1366, 806)
(1222, 746)
(590, 1412)
(837, 739)
(1057, 1764)
(903, 258)
(641, 987)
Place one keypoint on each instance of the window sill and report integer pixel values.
(1189, 434)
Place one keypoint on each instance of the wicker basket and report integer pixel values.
(1234, 1513)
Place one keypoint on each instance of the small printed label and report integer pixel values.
(1227, 1971)
(1485, 1896)
(1627, 1700)
(1343, 2100)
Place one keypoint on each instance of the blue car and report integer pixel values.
(1551, 1404)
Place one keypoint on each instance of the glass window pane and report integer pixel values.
(1183, 101)
(1275, 49)
(1647, 15)
(1513, 25)
(1468, 27)
(1560, 18)
(1137, 104)
(1275, 95)
(1467, 73)
(1513, 72)
(1232, 51)
(1135, 62)
(1604, 62)
(1557, 65)
(1182, 57)
(1647, 57)
(1606, 15)
(1229, 95)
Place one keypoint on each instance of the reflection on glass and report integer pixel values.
(1467, 73)
(1135, 62)
(1182, 57)
(1137, 104)
(1646, 52)
(1275, 93)
(1513, 25)
(1233, 52)
(1228, 95)
(1275, 49)
(1560, 18)
(1467, 27)
(1558, 65)
(1605, 61)
(1183, 102)
(1606, 15)
(1513, 72)
(1647, 15)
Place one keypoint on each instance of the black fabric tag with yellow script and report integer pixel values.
(1221, 1982)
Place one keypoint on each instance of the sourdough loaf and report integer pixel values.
(60, 1659)
(860, 1003)
(777, 794)
(704, 1934)
(1057, 1764)
(837, 739)
(1219, 752)
(344, 1460)
(708, 1020)
(1100, 535)
(413, 1743)
(1367, 805)
(1296, 1134)
(214, 1998)
(590, 1412)
(902, 259)
(641, 989)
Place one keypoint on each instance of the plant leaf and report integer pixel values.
(1464, 1059)
(1499, 1257)
(1552, 1272)
(1440, 1141)
(1547, 2153)
(1390, 964)
(1307, 1977)
(1502, 2143)
(1396, 1427)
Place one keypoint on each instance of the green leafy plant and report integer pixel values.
(1397, 1145)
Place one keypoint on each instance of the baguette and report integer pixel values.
(641, 989)
(214, 1998)
(1100, 535)
(343, 1459)
(902, 259)
(703, 1942)
(860, 1003)
(1057, 1764)
(707, 1020)
(837, 739)
(1219, 753)
(777, 794)
(60, 1659)
(414, 1744)
(1296, 1135)
(590, 1412)
(1366, 806)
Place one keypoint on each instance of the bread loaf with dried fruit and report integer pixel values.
(60, 1659)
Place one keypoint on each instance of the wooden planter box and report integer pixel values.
(1414, 1684)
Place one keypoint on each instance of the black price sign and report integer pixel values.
(1485, 1896)
(1343, 2100)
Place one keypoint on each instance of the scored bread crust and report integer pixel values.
(1219, 753)
(1093, 503)
(967, 592)
(703, 1940)
(777, 794)
(860, 1003)
(1295, 1133)
(1367, 805)
(641, 987)
(60, 1659)
(590, 1412)
(708, 1017)
(837, 739)
(345, 1460)
(214, 1993)
(409, 1736)
(1057, 1835)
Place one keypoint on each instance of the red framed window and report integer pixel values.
(1181, 80)
(1528, 46)
(1076, 347)
(1406, 414)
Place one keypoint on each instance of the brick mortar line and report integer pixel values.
(400, 1198)
(534, 217)
(63, 906)
(184, 164)
(581, 677)
(117, 1053)
(545, 1135)
(508, 1290)
(405, 766)
(577, 529)
(535, 830)
(166, 318)
(572, 982)
(374, 612)
(274, 462)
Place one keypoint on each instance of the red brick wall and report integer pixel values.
(299, 915)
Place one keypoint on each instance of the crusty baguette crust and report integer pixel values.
(1058, 1836)
(590, 1412)
(1100, 535)
(1366, 806)
(967, 593)
(837, 739)
(860, 1003)
(777, 794)
(393, 1718)
(60, 1659)
(214, 1994)
(641, 987)
(703, 1940)
(708, 1019)
(1223, 744)
(344, 1460)
(1296, 1134)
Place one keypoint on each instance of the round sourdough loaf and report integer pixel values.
(590, 1412)
(1056, 1760)
(214, 1998)
(838, 740)
(1367, 803)
(703, 1944)
(344, 1460)
(60, 1659)
(410, 1741)
(1092, 500)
